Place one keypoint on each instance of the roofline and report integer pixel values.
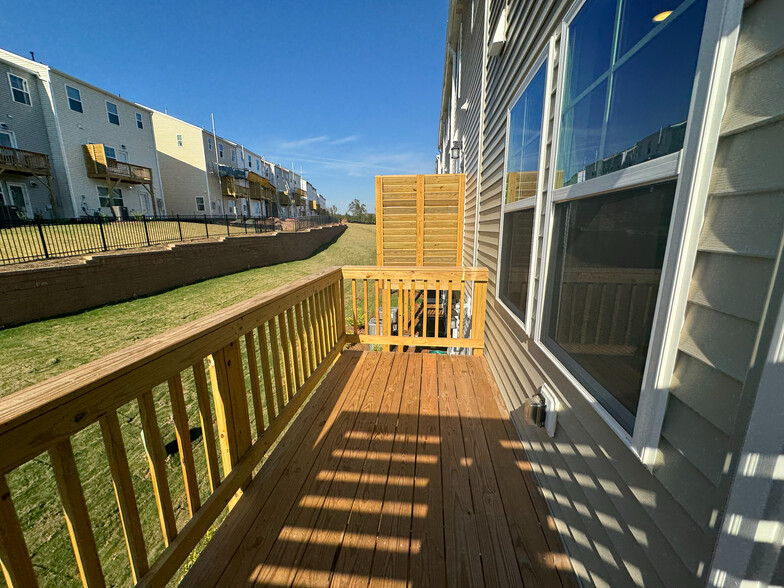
(453, 6)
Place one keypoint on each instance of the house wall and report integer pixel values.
(92, 126)
(28, 125)
(623, 524)
(183, 169)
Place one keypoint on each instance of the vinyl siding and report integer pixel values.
(622, 524)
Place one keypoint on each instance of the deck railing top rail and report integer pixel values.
(21, 160)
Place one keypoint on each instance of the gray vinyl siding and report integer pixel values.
(622, 524)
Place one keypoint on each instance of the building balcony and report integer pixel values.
(101, 167)
(24, 162)
(231, 189)
(401, 467)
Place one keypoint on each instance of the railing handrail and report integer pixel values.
(16, 153)
(33, 419)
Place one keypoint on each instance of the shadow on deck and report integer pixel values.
(402, 469)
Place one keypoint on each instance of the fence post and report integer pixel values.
(146, 233)
(179, 227)
(41, 234)
(103, 236)
(228, 232)
(206, 227)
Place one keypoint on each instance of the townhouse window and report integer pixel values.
(112, 114)
(209, 143)
(521, 179)
(179, 140)
(109, 152)
(630, 70)
(249, 161)
(200, 207)
(74, 99)
(258, 165)
(139, 121)
(103, 197)
(220, 149)
(234, 155)
(20, 91)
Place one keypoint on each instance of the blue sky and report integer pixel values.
(344, 89)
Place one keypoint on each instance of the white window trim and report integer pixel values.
(693, 166)
(112, 148)
(13, 137)
(139, 120)
(68, 98)
(107, 113)
(531, 201)
(25, 89)
(203, 203)
(25, 196)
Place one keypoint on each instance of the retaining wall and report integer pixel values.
(38, 293)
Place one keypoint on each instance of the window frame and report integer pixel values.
(12, 135)
(113, 149)
(139, 121)
(68, 98)
(179, 140)
(25, 89)
(530, 202)
(203, 204)
(109, 114)
(110, 194)
(691, 167)
(25, 197)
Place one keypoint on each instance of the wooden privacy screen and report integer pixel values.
(419, 220)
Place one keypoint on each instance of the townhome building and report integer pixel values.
(71, 149)
(623, 186)
(311, 201)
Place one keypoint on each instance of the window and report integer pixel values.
(103, 197)
(220, 149)
(524, 136)
(139, 121)
(628, 87)
(74, 99)
(122, 156)
(7, 139)
(111, 112)
(19, 89)
(209, 143)
(200, 204)
(603, 281)
(179, 140)
(626, 94)
(234, 155)
(110, 152)
(249, 161)
(258, 165)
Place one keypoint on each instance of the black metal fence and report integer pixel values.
(23, 240)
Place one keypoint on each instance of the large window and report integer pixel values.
(524, 136)
(111, 112)
(74, 99)
(605, 265)
(629, 74)
(19, 89)
(629, 71)
(103, 197)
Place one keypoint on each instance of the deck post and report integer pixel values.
(231, 407)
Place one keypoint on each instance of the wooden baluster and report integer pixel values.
(207, 429)
(255, 382)
(449, 310)
(153, 445)
(296, 364)
(124, 493)
(387, 312)
(478, 319)
(341, 303)
(412, 308)
(321, 316)
(424, 311)
(375, 307)
(280, 384)
(400, 312)
(266, 373)
(285, 346)
(335, 311)
(304, 343)
(182, 431)
(330, 308)
(354, 304)
(462, 307)
(14, 556)
(76, 517)
(365, 303)
(316, 328)
(231, 407)
(438, 307)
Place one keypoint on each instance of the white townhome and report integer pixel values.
(71, 149)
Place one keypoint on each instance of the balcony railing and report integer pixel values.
(101, 167)
(26, 162)
(282, 343)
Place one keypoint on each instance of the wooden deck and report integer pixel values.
(402, 469)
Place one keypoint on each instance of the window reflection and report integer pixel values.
(629, 103)
(602, 287)
(516, 260)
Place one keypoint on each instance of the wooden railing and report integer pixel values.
(414, 306)
(100, 166)
(24, 161)
(282, 343)
(128, 171)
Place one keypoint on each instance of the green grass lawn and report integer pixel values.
(38, 351)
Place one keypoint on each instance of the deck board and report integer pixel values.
(403, 469)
